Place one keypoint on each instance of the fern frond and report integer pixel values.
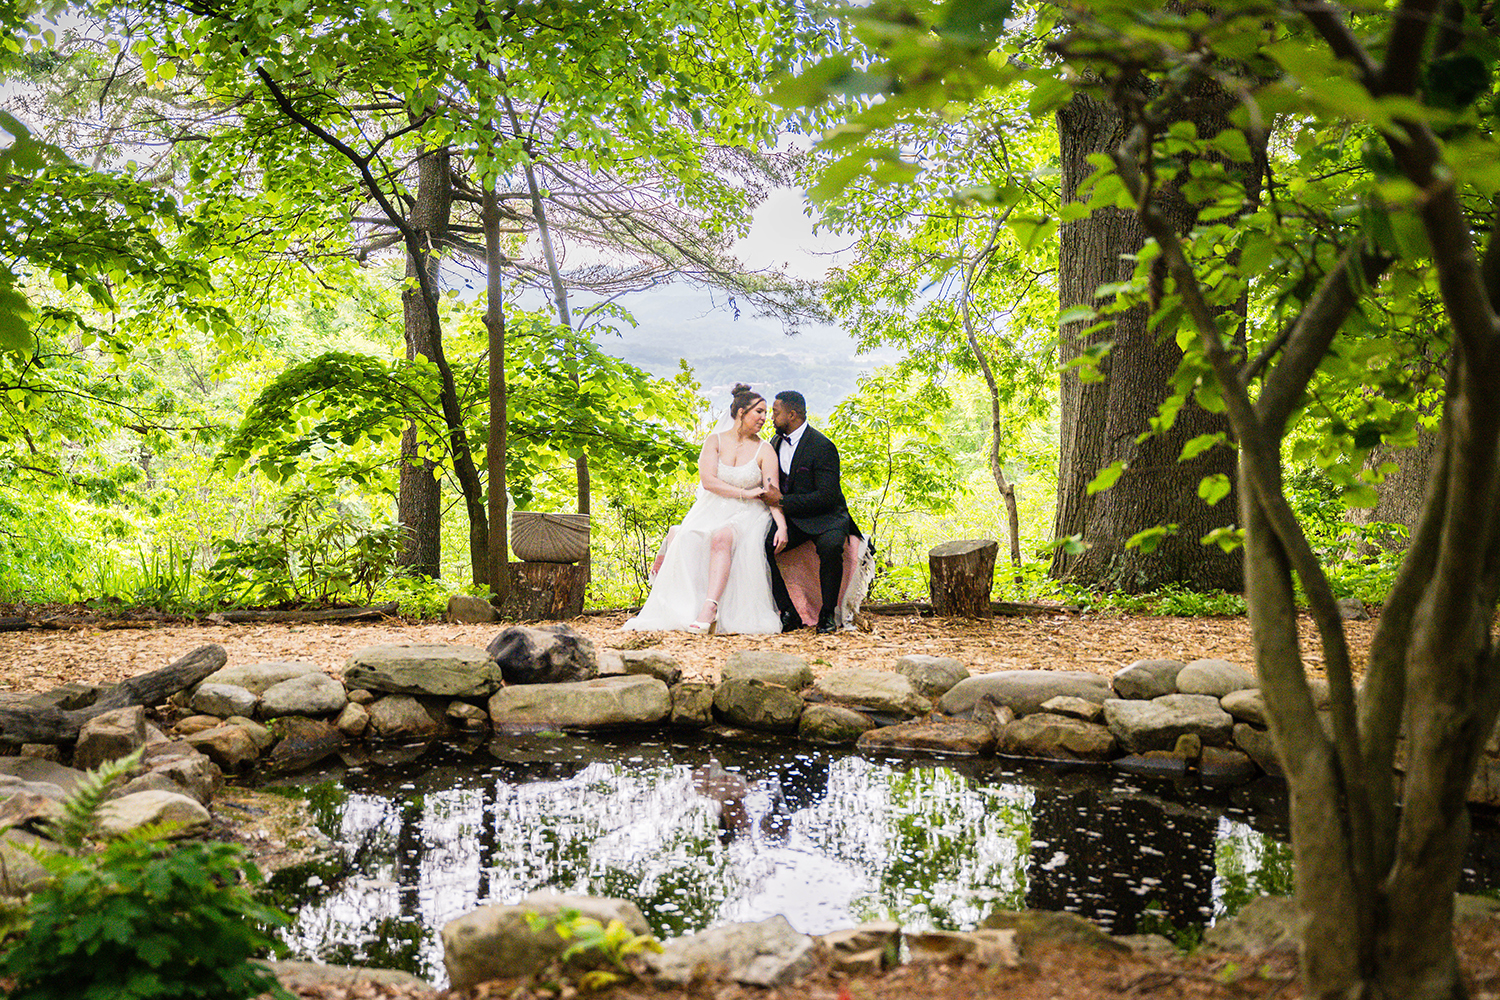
(79, 808)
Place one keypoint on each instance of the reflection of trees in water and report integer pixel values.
(1113, 858)
(938, 851)
(1250, 864)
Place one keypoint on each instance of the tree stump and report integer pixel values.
(962, 574)
(545, 591)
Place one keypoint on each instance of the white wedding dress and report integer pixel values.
(681, 584)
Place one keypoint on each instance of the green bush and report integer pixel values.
(141, 918)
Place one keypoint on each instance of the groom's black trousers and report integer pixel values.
(830, 546)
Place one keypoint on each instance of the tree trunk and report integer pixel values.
(1401, 492)
(495, 451)
(420, 503)
(1100, 421)
(544, 591)
(962, 574)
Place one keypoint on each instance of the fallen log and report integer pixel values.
(387, 610)
(14, 623)
(55, 725)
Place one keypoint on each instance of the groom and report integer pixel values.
(814, 505)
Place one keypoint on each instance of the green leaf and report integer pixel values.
(1106, 477)
(1199, 445)
(1214, 488)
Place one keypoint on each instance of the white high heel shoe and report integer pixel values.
(706, 628)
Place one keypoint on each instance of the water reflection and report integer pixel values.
(697, 835)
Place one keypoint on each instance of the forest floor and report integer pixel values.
(103, 653)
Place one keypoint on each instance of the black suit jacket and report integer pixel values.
(811, 496)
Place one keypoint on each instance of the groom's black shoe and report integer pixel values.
(825, 622)
(791, 621)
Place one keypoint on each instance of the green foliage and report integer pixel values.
(317, 549)
(593, 941)
(141, 918)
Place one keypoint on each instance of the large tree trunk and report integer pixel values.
(420, 503)
(1100, 421)
(1401, 492)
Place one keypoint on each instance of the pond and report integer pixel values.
(700, 833)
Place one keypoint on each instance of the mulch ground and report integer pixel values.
(104, 653)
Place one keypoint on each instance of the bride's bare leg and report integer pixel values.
(720, 554)
(661, 553)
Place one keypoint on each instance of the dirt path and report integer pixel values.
(39, 659)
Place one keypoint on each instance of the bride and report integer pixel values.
(711, 573)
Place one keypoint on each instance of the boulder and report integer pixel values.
(932, 676)
(878, 691)
(223, 700)
(259, 733)
(304, 742)
(462, 715)
(1246, 705)
(128, 813)
(692, 704)
(1215, 677)
(440, 669)
(987, 948)
(110, 736)
(30, 811)
(832, 724)
(1039, 927)
(553, 654)
(190, 772)
(1023, 690)
(863, 950)
(353, 720)
(652, 663)
(1266, 924)
(310, 694)
(1074, 708)
(256, 677)
(604, 702)
(1147, 679)
(19, 770)
(1057, 737)
(1352, 609)
(403, 717)
(756, 704)
(1257, 743)
(767, 953)
(1156, 724)
(952, 736)
(315, 978)
(495, 942)
(1222, 766)
(230, 747)
(20, 872)
(196, 724)
(469, 610)
(782, 669)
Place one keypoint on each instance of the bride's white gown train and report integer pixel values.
(682, 582)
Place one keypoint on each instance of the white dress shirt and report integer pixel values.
(789, 448)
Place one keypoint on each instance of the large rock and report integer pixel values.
(1147, 679)
(1259, 745)
(782, 669)
(304, 742)
(109, 737)
(955, 736)
(604, 702)
(224, 700)
(1264, 925)
(441, 669)
(756, 704)
(692, 704)
(232, 748)
(1157, 724)
(1023, 691)
(20, 771)
(20, 872)
(553, 654)
(495, 942)
(652, 663)
(1058, 737)
(1247, 705)
(766, 954)
(470, 610)
(1215, 677)
(256, 677)
(310, 694)
(863, 950)
(315, 978)
(192, 773)
(877, 691)
(128, 813)
(985, 948)
(1036, 928)
(404, 717)
(932, 676)
(832, 724)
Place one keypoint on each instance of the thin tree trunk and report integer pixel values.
(495, 453)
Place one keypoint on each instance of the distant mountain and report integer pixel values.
(681, 322)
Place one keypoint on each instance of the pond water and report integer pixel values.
(699, 833)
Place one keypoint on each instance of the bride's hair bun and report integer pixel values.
(742, 399)
(739, 387)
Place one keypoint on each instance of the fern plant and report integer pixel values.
(140, 918)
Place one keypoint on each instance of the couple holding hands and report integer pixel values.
(739, 561)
